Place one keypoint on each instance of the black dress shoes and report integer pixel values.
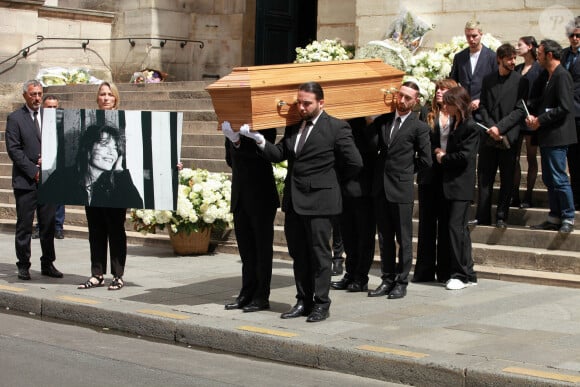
(342, 284)
(383, 289)
(49, 270)
(239, 303)
(356, 286)
(399, 291)
(297, 310)
(256, 306)
(23, 274)
(318, 314)
(566, 228)
(337, 266)
(59, 234)
(500, 224)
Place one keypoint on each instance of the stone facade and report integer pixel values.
(227, 30)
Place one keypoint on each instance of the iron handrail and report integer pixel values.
(85, 42)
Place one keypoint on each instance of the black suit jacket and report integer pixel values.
(461, 70)
(23, 146)
(313, 181)
(458, 164)
(575, 72)
(555, 110)
(253, 184)
(501, 103)
(410, 151)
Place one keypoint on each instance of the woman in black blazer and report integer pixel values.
(433, 241)
(457, 163)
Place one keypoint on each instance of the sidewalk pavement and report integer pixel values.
(496, 333)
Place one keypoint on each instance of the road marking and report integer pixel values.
(12, 288)
(159, 313)
(393, 351)
(543, 374)
(265, 331)
(79, 300)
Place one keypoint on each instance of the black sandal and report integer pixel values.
(100, 281)
(116, 284)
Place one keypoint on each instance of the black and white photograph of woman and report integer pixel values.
(108, 158)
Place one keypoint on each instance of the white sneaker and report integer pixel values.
(455, 284)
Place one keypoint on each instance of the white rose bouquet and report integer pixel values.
(324, 51)
(203, 201)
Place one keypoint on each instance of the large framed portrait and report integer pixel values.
(110, 158)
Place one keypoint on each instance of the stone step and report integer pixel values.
(89, 97)
(127, 87)
(539, 266)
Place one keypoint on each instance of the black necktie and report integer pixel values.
(394, 129)
(303, 136)
(36, 122)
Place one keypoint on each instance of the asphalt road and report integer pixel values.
(46, 353)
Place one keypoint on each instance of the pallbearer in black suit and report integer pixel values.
(23, 134)
(321, 155)
(458, 168)
(502, 111)
(404, 148)
(254, 202)
(357, 222)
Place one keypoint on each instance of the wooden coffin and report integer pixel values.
(264, 96)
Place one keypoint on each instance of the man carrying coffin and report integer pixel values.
(321, 154)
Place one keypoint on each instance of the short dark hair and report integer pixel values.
(553, 47)
(412, 85)
(50, 97)
(312, 87)
(506, 50)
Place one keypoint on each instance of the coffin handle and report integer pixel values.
(389, 91)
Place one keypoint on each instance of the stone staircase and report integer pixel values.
(516, 253)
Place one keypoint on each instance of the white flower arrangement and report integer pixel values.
(389, 51)
(280, 171)
(203, 201)
(52, 76)
(324, 51)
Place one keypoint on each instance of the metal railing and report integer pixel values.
(85, 42)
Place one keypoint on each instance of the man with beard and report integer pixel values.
(502, 112)
(321, 155)
(404, 148)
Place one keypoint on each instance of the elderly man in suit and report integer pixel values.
(404, 148)
(23, 134)
(321, 155)
(502, 112)
(473, 63)
(553, 117)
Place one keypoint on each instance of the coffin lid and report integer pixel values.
(264, 96)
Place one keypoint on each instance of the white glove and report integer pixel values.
(229, 132)
(257, 136)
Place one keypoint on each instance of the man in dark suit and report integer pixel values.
(321, 154)
(254, 203)
(472, 64)
(404, 148)
(23, 134)
(572, 64)
(553, 117)
(503, 113)
(357, 221)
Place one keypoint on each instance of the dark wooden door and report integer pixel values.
(281, 26)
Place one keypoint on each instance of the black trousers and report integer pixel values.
(107, 227)
(433, 236)
(460, 255)
(254, 230)
(308, 239)
(490, 159)
(395, 220)
(26, 206)
(358, 228)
